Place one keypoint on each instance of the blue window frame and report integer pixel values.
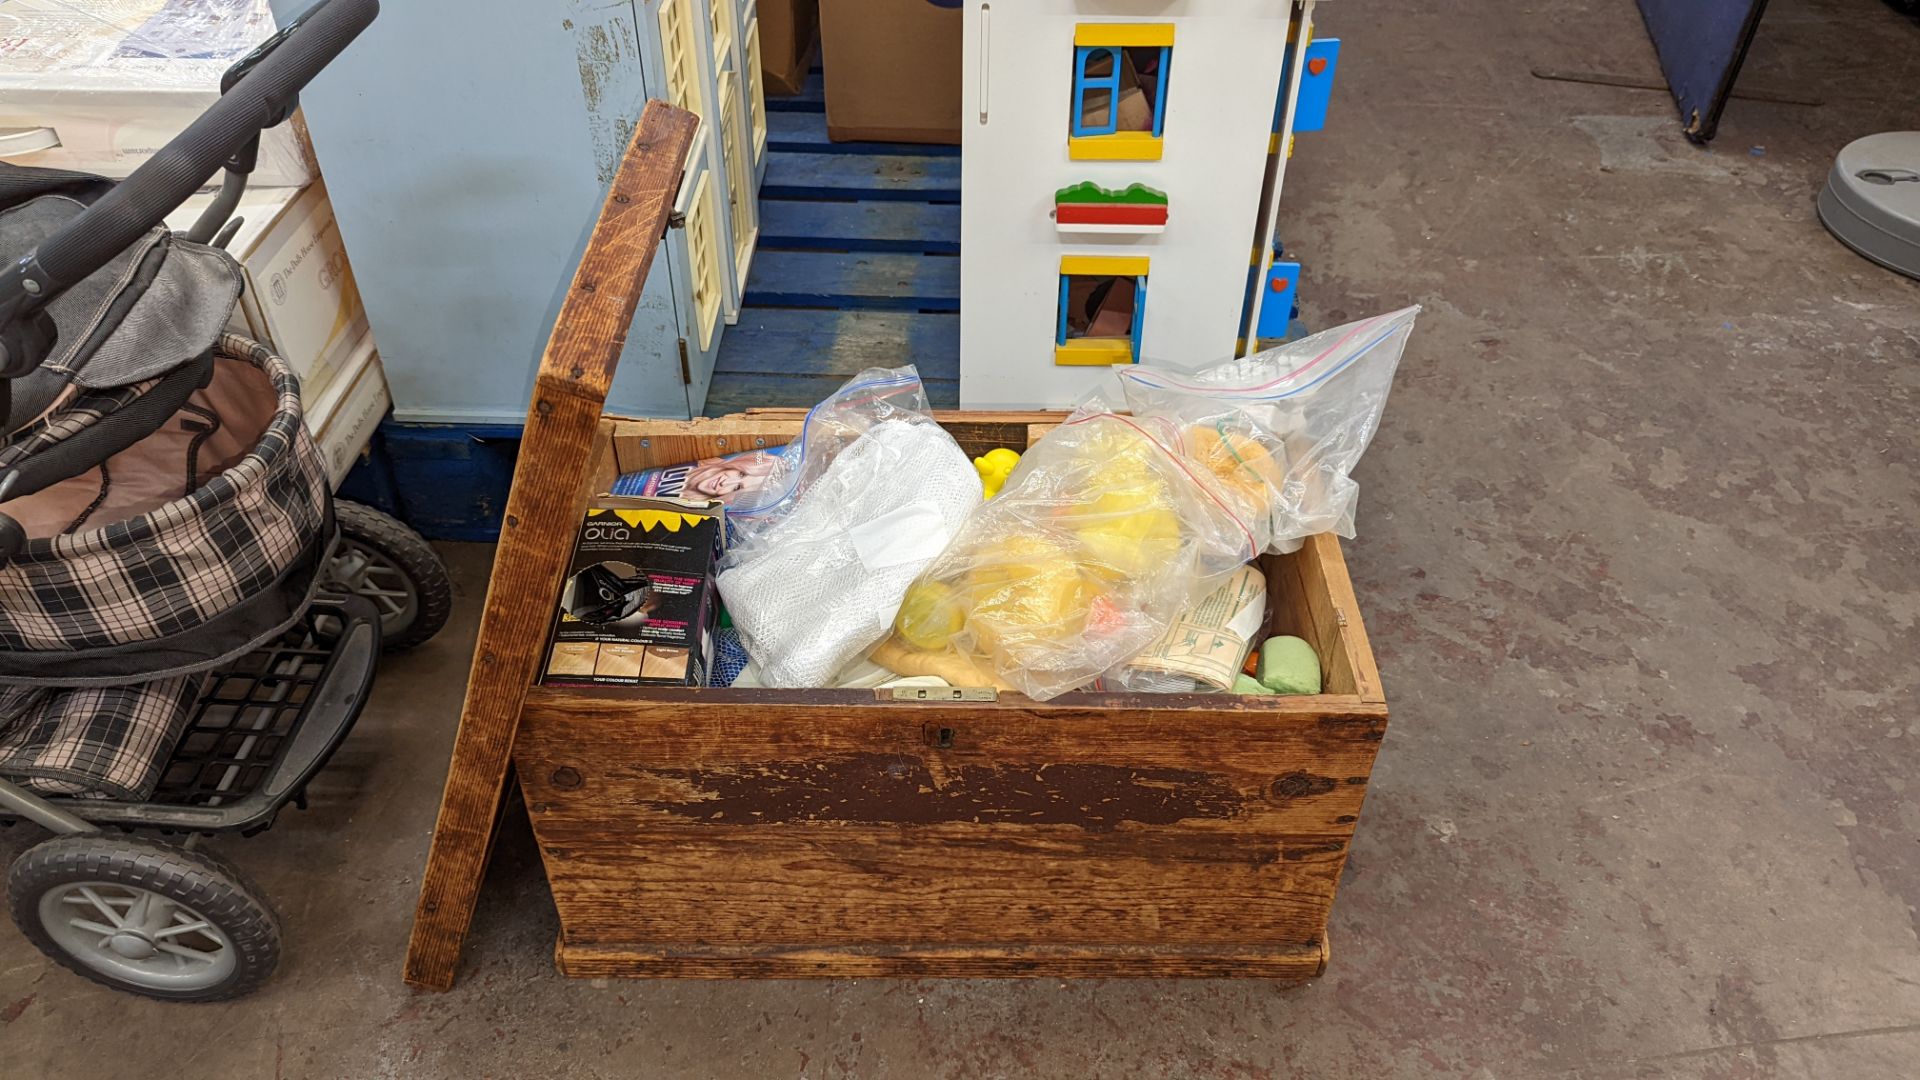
(1139, 313)
(1108, 58)
(1060, 338)
(1061, 332)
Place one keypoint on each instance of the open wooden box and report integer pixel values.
(754, 833)
(843, 832)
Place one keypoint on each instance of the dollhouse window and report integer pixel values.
(1119, 105)
(1103, 305)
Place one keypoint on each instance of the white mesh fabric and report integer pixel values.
(821, 588)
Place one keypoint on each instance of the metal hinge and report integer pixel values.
(686, 370)
(945, 693)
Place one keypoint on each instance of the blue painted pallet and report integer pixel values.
(902, 177)
(800, 225)
(763, 391)
(856, 267)
(806, 133)
(794, 341)
(448, 482)
(836, 280)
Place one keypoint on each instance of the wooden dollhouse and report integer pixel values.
(1121, 171)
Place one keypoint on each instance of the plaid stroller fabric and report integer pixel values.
(97, 742)
(246, 533)
(88, 408)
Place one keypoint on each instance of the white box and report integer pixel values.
(109, 82)
(343, 416)
(300, 295)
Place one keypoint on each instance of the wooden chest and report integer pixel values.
(755, 833)
(749, 833)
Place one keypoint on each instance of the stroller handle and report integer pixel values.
(262, 97)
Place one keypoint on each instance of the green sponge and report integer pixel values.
(1288, 666)
(1247, 684)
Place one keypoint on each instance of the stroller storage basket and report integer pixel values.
(188, 583)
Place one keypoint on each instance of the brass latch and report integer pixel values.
(945, 693)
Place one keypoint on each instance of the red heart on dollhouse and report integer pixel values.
(1316, 66)
(1279, 284)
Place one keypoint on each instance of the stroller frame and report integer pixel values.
(260, 730)
(266, 718)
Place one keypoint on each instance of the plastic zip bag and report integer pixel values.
(871, 491)
(1113, 524)
(1310, 407)
(1099, 538)
(871, 397)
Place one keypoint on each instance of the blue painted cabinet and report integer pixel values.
(467, 147)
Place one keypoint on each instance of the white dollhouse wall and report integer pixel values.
(1223, 76)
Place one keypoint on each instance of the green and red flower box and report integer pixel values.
(1088, 207)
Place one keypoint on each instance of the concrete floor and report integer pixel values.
(1640, 560)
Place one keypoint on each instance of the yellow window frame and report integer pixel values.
(1123, 35)
(1120, 145)
(1102, 351)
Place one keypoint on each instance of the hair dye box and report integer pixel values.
(639, 604)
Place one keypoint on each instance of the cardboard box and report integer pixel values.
(342, 417)
(892, 70)
(100, 86)
(639, 602)
(788, 29)
(300, 296)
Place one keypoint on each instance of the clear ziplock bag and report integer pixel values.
(868, 494)
(1101, 535)
(874, 396)
(1113, 524)
(1301, 414)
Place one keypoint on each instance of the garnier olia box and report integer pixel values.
(639, 604)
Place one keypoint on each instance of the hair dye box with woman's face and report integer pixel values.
(728, 479)
(639, 604)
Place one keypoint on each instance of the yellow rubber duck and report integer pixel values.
(994, 467)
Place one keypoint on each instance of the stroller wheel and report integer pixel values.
(145, 917)
(386, 562)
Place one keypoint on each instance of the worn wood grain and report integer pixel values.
(1102, 763)
(1317, 590)
(976, 432)
(542, 513)
(834, 818)
(951, 885)
(1222, 961)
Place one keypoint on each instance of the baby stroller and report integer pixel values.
(188, 621)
